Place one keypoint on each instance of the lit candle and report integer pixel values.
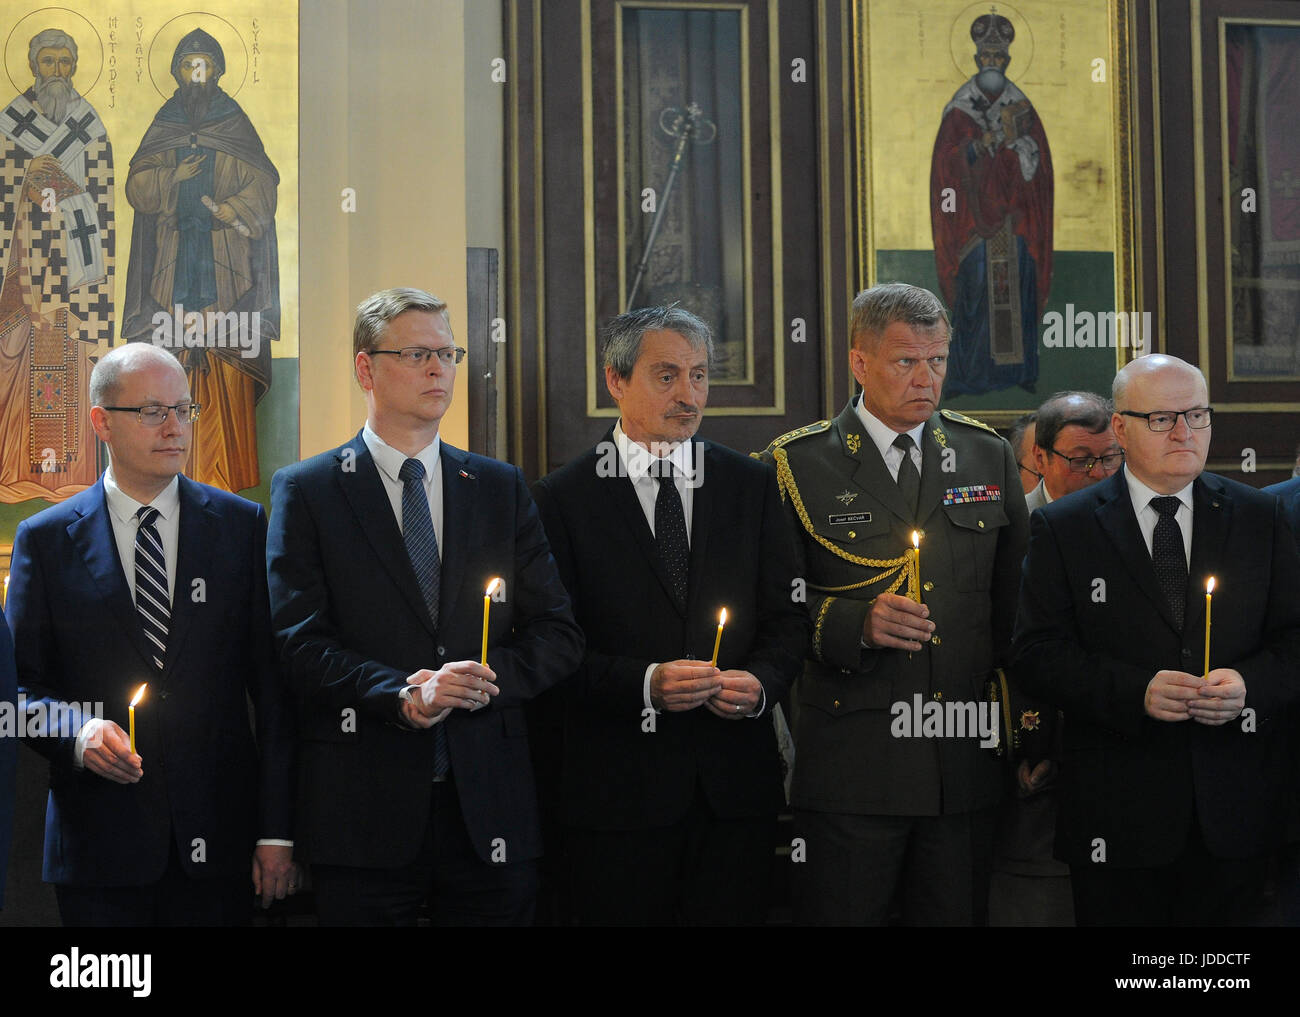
(1209, 588)
(487, 602)
(139, 694)
(916, 566)
(5, 599)
(722, 620)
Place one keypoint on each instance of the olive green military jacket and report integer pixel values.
(856, 749)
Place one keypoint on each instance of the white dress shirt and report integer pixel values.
(389, 461)
(882, 435)
(1147, 516)
(122, 509)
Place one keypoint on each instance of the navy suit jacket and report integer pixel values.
(617, 775)
(1288, 493)
(8, 751)
(1127, 780)
(352, 625)
(207, 786)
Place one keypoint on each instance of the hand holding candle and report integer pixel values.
(722, 620)
(487, 605)
(139, 694)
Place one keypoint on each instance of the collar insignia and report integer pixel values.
(854, 442)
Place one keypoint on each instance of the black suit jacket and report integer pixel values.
(351, 625)
(1127, 780)
(617, 776)
(207, 785)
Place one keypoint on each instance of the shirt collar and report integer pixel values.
(881, 433)
(124, 508)
(639, 463)
(390, 460)
(1141, 495)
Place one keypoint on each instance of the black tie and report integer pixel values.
(1169, 556)
(422, 548)
(909, 481)
(670, 533)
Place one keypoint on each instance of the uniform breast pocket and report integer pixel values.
(850, 527)
(973, 530)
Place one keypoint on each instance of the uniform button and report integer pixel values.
(935, 640)
(1186, 653)
(927, 587)
(442, 651)
(980, 523)
(852, 534)
(938, 696)
(837, 704)
(162, 694)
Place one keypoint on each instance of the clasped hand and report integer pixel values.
(680, 685)
(1215, 699)
(458, 685)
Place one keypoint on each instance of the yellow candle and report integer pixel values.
(139, 694)
(5, 599)
(916, 566)
(1209, 588)
(722, 620)
(487, 602)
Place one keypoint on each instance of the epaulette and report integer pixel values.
(961, 418)
(814, 428)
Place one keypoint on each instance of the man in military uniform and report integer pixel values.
(893, 789)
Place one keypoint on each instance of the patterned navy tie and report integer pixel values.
(1169, 556)
(152, 602)
(909, 481)
(670, 533)
(422, 548)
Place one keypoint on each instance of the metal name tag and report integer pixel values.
(844, 518)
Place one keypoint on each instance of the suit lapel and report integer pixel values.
(1119, 522)
(701, 518)
(92, 535)
(358, 476)
(934, 480)
(1211, 521)
(197, 533)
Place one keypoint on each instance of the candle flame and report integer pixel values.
(916, 540)
(139, 694)
(491, 587)
(722, 618)
(1209, 586)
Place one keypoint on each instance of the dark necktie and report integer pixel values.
(152, 603)
(422, 548)
(670, 533)
(1169, 556)
(909, 481)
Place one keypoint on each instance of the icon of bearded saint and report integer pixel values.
(204, 194)
(991, 195)
(56, 250)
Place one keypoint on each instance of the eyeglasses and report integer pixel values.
(1164, 420)
(418, 356)
(1031, 472)
(155, 414)
(1085, 464)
